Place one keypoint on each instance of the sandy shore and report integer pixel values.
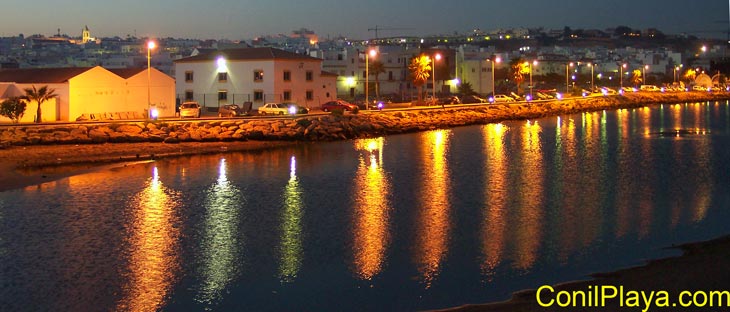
(22, 166)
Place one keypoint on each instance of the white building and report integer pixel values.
(257, 75)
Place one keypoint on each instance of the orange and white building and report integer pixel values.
(93, 92)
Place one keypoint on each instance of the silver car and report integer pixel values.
(190, 109)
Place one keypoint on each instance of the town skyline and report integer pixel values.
(229, 20)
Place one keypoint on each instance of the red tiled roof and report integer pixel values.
(248, 54)
(41, 75)
(126, 73)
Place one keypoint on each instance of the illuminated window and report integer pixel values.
(222, 77)
(189, 76)
(310, 95)
(287, 95)
(310, 75)
(258, 95)
(258, 75)
(287, 75)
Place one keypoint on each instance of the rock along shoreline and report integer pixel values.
(328, 127)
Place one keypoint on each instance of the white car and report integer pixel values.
(502, 98)
(274, 109)
(190, 109)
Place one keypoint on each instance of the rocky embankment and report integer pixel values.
(326, 127)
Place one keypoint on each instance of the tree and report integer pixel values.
(420, 69)
(465, 88)
(636, 77)
(520, 68)
(39, 96)
(377, 68)
(690, 75)
(13, 108)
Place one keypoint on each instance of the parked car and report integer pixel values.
(470, 99)
(296, 109)
(190, 109)
(274, 109)
(338, 104)
(651, 88)
(628, 89)
(451, 99)
(502, 98)
(229, 110)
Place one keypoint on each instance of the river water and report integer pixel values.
(407, 222)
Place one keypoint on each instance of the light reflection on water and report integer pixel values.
(386, 223)
(371, 223)
(153, 262)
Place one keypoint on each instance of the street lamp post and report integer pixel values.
(530, 64)
(494, 60)
(591, 65)
(621, 74)
(367, 75)
(150, 45)
(567, 76)
(643, 74)
(433, 75)
(675, 73)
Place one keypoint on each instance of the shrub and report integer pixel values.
(13, 108)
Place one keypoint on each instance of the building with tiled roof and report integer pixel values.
(257, 75)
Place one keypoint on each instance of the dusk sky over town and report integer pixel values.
(247, 19)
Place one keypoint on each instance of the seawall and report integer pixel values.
(328, 127)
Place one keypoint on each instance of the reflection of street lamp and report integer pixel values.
(436, 57)
(150, 45)
(494, 60)
(567, 75)
(367, 74)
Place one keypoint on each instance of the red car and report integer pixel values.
(338, 104)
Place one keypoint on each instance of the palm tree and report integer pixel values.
(520, 68)
(690, 75)
(420, 68)
(377, 68)
(39, 96)
(636, 78)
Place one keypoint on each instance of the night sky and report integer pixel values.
(237, 19)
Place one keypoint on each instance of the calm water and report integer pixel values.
(408, 222)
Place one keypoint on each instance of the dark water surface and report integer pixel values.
(408, 222)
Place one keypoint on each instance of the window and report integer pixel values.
(339, 57)
(310, 95)
(222, 95)
(310, 75)
(188, 95)
(258, 75)
(390, 76)
(188, 76)
(222, 77)
(258, 95)
(364, 74)
(287, 95)
(287, 75)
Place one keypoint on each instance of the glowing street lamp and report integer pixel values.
(567, 76)
(150, 45)
(494, 60)
(643, 74)
(370, 53)
(436, 57)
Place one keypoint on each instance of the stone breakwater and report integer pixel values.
(326, 127)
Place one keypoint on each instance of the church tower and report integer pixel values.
(85, 35)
